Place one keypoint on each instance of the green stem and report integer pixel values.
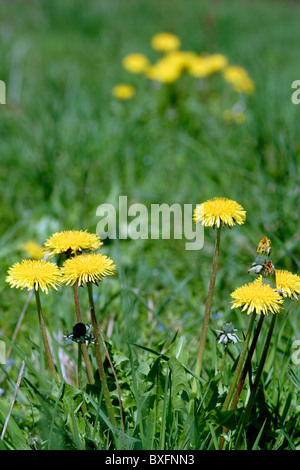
(44, 335)
(80, 378)
(246, 366)
(243, 375)
(256, 382)
(77, 305)
(84, 348)
(223, 361)
(207, 310)
(99, 356)
(240, 363)
(79, 366)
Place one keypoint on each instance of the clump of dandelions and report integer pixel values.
(254, 298)
(263, 296)
(70, 244)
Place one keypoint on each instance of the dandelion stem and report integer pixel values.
(246, 366)
(99, 356)
(256, 381)
(79, 366)
(44, 335)
(223, 361)
(240, 363)
(243, 375)
(207, 308)
(84, 348)
(77, 305)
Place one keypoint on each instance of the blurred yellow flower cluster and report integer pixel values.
(173, 62)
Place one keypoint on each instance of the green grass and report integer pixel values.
(67, 146)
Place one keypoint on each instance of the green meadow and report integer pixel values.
(67, 145)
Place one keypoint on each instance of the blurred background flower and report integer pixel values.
(165, 42)
(135, 63)
(123, 91)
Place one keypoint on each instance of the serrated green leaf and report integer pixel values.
(179, 383)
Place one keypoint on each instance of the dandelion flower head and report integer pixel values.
(87, 268)
(219, 211)
(165, 42)
(34, 274)
(238, 77)
(203, 66)
(257, 297)
(72, 241)
(288, 284)
(180, 59)
(164, 70)
(123, 91)
(135, 63)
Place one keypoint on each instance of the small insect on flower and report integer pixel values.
(227, 334)
(81, 334)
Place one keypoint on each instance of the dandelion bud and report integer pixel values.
(268, 273)
(263, 251)
(264, 247)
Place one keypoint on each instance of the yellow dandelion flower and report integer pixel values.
(123, 91)
(219, 211)
(164, 71)
(135, 63)
(34, 274)
(238, 77)
(33, 250)
(203, 66)
(87, 268)
(257, 297)
(72, 241)
(287, 284)
(165, 42)
(179, 59)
